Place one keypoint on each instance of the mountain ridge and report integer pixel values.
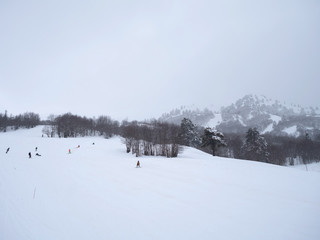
(267, 115)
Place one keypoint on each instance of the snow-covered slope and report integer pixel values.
(313, 167)
(97, 193)
(267, 115)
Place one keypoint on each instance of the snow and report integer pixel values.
(269, 128)
(291, 130)
(97, 193)
(314, 167)
(241, 121)
(275, 118)
(215, 121)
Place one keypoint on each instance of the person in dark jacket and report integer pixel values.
(138, 164)
(29, 154)
(7, 150)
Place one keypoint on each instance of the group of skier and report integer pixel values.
(29, 154)
(37, 154)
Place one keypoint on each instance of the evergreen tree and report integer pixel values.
(188, 134)
(255, 146)
(213, 139)
(305, 148)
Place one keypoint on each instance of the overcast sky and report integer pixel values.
(139, 59)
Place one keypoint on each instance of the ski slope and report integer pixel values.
(97, 193)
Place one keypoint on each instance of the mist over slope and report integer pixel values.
(97, 193)
(267, 115)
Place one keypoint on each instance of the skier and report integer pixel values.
(138, 164)
(36, 149)
(7, 150)
(69, 150)
(29, 154)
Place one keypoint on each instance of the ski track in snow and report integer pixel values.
(97, 193)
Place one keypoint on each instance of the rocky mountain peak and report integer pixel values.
(267, 115)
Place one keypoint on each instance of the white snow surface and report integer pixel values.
(239, 118)
(315, 167)
(291, 131)
(97, 193)
(269, 128)
(275, 118)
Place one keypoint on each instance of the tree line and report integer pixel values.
(252, 145)
(69, 125)
(151, 139)
(26, 120)
(156, 138)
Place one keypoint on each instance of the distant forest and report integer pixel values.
(26, 120)
(157, 138)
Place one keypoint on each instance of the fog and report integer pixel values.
(139, 59)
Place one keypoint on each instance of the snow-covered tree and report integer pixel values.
(188, 134)
(255, 146)
(213, 139)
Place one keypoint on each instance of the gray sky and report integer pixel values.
(138, 59)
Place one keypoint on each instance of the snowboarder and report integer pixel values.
(138, 164)
(7, 150)
(29, 154)
(37, 154)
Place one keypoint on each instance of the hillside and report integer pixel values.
(97, 193)
(267, 115)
